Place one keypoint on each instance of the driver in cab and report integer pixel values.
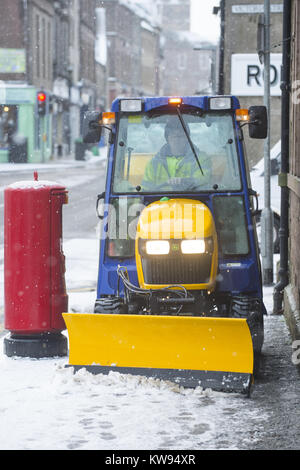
(174, 167)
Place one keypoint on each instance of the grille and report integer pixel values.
(182, 269)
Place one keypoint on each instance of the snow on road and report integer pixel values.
(45, 406)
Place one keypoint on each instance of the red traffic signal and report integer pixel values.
(41, 103)
(41, 96)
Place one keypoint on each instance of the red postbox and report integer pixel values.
(34, 269)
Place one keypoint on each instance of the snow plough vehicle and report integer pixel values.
(179, 294)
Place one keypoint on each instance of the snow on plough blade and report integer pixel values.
(214, 353)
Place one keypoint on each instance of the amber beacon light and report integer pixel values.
(175, 101)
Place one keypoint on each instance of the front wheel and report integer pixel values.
(110, 305)
(257, 364)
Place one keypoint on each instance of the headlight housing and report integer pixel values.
(189, 247)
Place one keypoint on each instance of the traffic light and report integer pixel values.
(41, 103)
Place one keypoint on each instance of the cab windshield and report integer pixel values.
(154, 153)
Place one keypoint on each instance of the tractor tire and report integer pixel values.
(110, 305)
(252, 310)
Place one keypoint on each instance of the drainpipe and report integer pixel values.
(285, 119)
(267, 215)
(221, 90)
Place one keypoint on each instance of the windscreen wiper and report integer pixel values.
(189, 139)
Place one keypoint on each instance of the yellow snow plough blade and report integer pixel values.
(192, 351)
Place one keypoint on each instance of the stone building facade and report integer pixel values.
(150, 60)
(133, 50)
(240, 55)
(187, 63)
(151, 50)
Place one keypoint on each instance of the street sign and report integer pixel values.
(247, 77)
(256, 8)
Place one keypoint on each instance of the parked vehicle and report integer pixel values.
(257, 179)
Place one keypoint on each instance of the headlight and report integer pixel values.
(220, 103)
(131, 106)
(157, 247)
(189, 247)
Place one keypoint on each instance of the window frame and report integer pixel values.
(167, 111)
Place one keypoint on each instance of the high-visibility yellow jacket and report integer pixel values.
(165, 166)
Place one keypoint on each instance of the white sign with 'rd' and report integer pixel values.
(247, 75)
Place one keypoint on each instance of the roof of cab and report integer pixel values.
(158, 101)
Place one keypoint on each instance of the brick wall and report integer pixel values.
(11, 30)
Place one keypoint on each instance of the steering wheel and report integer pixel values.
(179, 183)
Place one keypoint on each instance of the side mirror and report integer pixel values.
(91, 128)
(258, 125)
(253, 194)
(99, 210)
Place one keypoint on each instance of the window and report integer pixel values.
(145, 161)
(44, 47)
(123, 216)
(8, 124)
(49, 47)
(231, 225)
(37, 46)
